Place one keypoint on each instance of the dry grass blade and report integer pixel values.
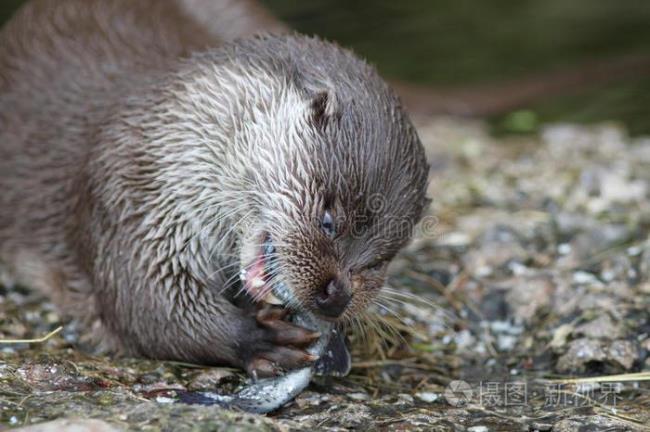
(37, 340)
(380, 363)
(639, 376)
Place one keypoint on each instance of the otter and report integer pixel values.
(179, 187)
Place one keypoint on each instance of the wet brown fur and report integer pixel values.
(141, 158)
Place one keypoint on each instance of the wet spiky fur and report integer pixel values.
(140, 164)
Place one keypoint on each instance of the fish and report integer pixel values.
(265, 395)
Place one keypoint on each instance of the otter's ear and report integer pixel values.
(323, 108)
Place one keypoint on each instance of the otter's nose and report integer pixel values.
(333, 299)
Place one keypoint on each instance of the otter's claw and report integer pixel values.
(283, 332)
(262, 368)
(277, 346)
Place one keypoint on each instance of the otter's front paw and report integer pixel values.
(274, 346)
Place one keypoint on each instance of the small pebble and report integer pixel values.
(405, 398)
(581, 277)
(427, 397)
(165, 400)
(358, 396)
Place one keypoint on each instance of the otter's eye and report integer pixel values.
(327, 224)
(376, 265)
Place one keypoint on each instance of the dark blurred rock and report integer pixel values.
(50, 375)
(585, 245)
(590, 355)
(624, 353)
(495, 248)
(530, 294)
(600, 328)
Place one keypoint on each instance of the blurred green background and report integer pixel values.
(456, 42)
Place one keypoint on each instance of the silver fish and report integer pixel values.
(268, 394)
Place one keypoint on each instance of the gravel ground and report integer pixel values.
(523, 304)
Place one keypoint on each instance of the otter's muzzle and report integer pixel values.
(333, 299)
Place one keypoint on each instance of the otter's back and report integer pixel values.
(63, 65)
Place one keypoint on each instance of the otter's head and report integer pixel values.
(339, 178)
